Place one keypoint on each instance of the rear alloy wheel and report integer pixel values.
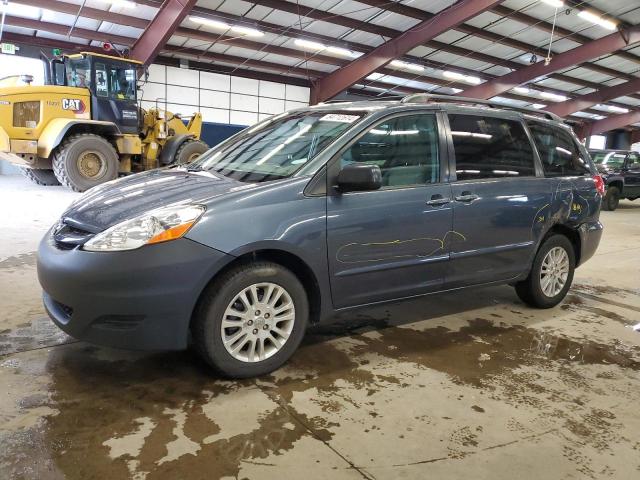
(250, 320)
(40, 176)
(189, 151)
(611, 199)
(551, 274)
(84, 161)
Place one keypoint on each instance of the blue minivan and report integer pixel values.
(320, 210)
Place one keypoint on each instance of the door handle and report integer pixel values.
(466, 197)
(438, 200)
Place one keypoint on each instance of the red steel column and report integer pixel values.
(157, 33)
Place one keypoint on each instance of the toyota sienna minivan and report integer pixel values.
(321, 210)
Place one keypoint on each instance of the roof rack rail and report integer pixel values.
(430, 97)
(387, 98)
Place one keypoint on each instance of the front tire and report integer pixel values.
(611, 199)
(85, 160)
(40, 176)
(250, 320)
(551, 274)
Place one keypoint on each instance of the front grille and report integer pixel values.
(66, 309)
(26, 114)
(68, 237)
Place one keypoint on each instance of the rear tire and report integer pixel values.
(555, 260)
(283, 317)
(189, 151)
(85, 160)
(611, 199)
(40, 176)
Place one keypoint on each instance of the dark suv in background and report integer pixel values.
(620, 170)
(320, 210)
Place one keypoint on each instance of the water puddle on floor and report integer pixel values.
(161, 416)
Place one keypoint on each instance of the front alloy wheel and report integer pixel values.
(258, 322)
(250, 319)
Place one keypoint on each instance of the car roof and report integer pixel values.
(448, 103)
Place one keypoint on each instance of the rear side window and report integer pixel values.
(405, 148)
(558, 151)
(488, 147)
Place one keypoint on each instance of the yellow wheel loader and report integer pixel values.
(85, 127)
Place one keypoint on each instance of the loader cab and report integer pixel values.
(112, 82)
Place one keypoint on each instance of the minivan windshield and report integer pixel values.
(610, 159)
(277, 148)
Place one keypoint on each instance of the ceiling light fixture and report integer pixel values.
(596, 19)
(220, 25)
(248, 31)
(613, 108)
(521, 90)
(301, 42)
(463, 78)
(538, 106)
(121, 3)
(553, 96)
(342, 51)
(554, 3)
(408, 66)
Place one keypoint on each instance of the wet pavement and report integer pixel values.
(459, 385)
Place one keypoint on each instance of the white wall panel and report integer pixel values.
(151, 91)
(215, 81)
(220, 98)
(215, 115)
(298, 94)
(271, 105)
(271, 89)
(243, 118)
(211, 98)
(182, 95)
(245, 85)
(246, 103)
(157, 73)
(183, 77)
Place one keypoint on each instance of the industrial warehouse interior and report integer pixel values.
(320, 239)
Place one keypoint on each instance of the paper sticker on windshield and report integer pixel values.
(337, 117)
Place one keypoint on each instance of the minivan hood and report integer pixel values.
(113, 202)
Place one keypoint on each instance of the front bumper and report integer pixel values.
(139, 299)
(590, 235)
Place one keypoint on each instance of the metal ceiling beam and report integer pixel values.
(609, 123)
(596, 48)
(417, 13)
(358, 69)
(276, 29)
(160, 29)
(599, 96)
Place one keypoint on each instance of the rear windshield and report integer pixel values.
(277, 148)
(610, 159)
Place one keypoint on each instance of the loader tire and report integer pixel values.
(42, 177)
(189, 151)
(85, 160)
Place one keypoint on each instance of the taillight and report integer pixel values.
(597, 179)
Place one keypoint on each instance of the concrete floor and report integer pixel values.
(465, 385)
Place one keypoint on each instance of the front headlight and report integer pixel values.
(156, 226)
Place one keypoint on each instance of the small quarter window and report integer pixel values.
(558, 151)
(405, 148)
(489, 147)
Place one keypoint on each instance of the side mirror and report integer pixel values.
(358, 177)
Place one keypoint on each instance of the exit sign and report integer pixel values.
(8, 48)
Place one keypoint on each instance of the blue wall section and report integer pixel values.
(214, 133)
